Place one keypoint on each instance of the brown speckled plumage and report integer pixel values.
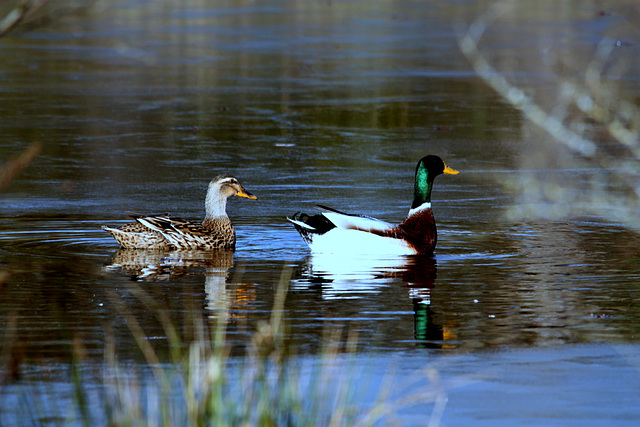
(166, 232)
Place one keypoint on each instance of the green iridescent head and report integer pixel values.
(427, 169)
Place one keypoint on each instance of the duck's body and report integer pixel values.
(166, 232)
(339, 232)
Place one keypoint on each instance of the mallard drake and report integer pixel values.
(340, 232)
(167, 232)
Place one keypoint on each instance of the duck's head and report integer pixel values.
(433, 166)
(228, 186)
(220, 189)
(427, 169)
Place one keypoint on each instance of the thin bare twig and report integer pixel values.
(23, 10)
(14, 167)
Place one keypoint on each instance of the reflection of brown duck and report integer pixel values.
(167, 232)
(163, 265)
(222, 298)
(227, 300)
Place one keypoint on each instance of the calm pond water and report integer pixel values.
(139, 106)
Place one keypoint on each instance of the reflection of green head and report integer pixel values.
(426, 171)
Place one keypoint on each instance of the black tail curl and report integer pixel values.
(319, 223)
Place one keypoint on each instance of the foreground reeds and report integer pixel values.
(202, 383)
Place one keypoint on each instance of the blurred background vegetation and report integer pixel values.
(587, 109)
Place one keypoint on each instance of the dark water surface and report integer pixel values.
(139, 105)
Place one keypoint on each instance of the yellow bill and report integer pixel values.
(450, 171)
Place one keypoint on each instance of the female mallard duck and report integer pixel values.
(166, 232)
(335, 231)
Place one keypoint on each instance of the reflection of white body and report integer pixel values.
(346, 276)
(162, 265)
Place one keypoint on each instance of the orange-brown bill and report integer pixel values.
(244, 193)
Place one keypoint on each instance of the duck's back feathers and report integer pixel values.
(134, 235)
(183, 234)
(167, 232)
(326, 221)
(354, 222)
(339, 232)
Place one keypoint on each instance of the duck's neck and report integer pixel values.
(413, 211)
(215, 205)
(422, 189)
